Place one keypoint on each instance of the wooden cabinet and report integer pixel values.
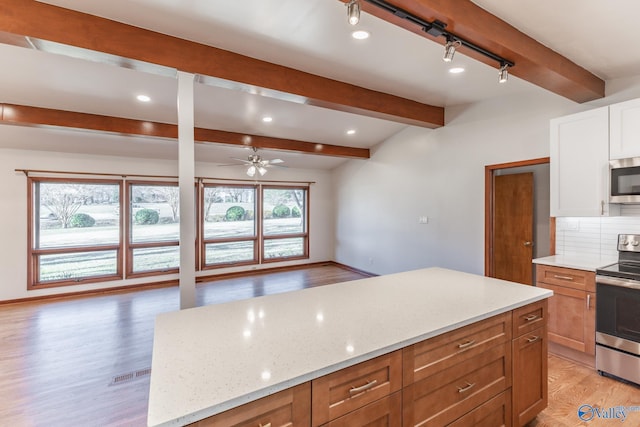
(493, 413)
(530, 372)
(571, 308)
(352, 388)
(579, 165)
(624, 129)
(290, 407)
(386, 412)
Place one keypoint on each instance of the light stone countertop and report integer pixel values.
(576, 262)
(213, 358)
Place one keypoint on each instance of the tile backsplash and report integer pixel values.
(595, 236)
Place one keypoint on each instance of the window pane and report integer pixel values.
(154, 259)
(154, 213)
(229, 212)
(283, 248)
(71, 215)
(78, 265)
(228, 253)
(284, 211)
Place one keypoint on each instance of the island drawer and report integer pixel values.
(566, 277)
(344, 391)
(385, 412)
(495, 412)
(289, 407)
(529, 317)
(447, 395)
(425, 358)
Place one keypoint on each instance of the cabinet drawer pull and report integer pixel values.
(556, 276)
(531, 317)
(264, 425)
(588, 301)
(468, 387)
(533, 339)
(466, 344)
(367, 386)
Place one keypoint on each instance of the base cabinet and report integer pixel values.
(487, 374)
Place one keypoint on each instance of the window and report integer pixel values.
(284, 231)
(230, 229)
(154, 228)
(75, 232)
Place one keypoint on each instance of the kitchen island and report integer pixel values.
(211, 359)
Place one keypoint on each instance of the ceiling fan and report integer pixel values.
(256, 163)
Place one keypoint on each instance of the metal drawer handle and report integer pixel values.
(265, 425)
(531, 317)
(367, 386)
(562, 277)
(533, 339)
(466, 344)
(468, 387)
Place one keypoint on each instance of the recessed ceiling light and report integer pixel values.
(351, 132)
(267, 119)
(456, 70)
(360, 35)
(143, 98)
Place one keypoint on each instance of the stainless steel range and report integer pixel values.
(618, 312)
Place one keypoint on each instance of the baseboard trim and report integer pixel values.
(572, 355)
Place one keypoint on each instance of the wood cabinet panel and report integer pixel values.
(290, 407)
(386, 412)
(566, 277)
(493, 413)
(530, 376)
(428, 357)
(452, 392)
(529, 318)
(351, 388)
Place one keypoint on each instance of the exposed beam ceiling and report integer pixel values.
(41, 21)
(34, 116)
(534, 62)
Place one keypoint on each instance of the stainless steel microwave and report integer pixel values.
(624, 180)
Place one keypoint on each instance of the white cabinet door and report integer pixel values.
(580, 164)
(625, 129)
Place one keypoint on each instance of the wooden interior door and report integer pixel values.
(513, 227)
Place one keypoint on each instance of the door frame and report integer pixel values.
(489, 173)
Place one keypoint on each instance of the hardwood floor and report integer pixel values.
(83, 361)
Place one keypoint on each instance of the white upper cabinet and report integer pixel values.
(625, 129)
(580, 164)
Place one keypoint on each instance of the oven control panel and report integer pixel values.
(629, 242)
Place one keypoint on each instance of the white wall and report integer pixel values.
(440, 174)
(13, 215)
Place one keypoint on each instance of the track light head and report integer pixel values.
(503, 74)
(450, 49)
(353, 12)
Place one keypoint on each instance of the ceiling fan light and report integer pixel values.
(251, 171)
(353, 12)
(262, 170)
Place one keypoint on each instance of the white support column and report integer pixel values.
(186, 179)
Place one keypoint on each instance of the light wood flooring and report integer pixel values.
(73, 361)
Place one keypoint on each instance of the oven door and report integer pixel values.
(618, 313)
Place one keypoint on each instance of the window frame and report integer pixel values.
(205, 241)
(304, 235)
(33, 230)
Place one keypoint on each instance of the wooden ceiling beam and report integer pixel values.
(534, 62)
(42, 21)
(35, 116)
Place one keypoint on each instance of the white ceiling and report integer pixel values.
(312, 36)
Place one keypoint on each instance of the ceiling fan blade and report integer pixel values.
(278, 166)
(232, 164)
(274, 161)
(245, 161)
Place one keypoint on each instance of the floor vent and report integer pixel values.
(130, 376)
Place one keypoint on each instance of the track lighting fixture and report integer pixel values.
(450, 49)
(353, 11)
(434, 29)
(503, 74)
